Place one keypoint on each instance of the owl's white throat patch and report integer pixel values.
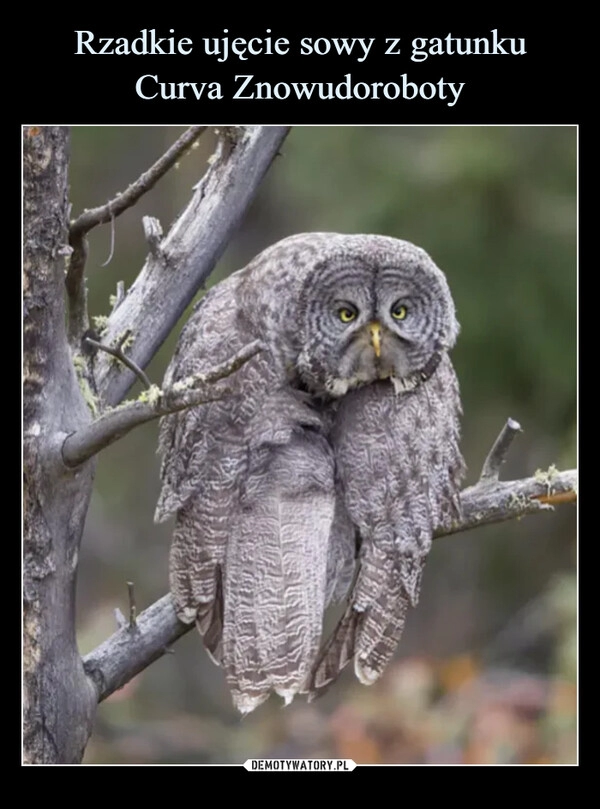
(404, 384)
(338, 387)
(341, 386)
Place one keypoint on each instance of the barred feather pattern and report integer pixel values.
(399, 460)
(324, 471)
(250, 480)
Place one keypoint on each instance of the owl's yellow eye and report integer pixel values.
(346, 314)
(399, 311)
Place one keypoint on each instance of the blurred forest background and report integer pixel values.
(486, 671)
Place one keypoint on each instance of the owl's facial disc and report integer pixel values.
(364, 322)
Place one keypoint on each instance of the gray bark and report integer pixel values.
(132, 649)
(58, 699)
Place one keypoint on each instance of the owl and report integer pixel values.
(322, 475)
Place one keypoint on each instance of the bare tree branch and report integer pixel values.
(104, 213)
(132, 605)
(497, 454)
(125, 654)
(190, 392)
(117, 352)
(118, 298)
(78, 318)
(131, 649)
(490, 502)
(177, 267)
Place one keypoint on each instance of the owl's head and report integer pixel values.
(371, 307)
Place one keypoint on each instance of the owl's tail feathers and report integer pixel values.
(336, 654)
(368, 638)
(249, 566)
(369, 631)
(378, 639)
(196, 577)
(277, 558)
(209, 621)
(206, 607)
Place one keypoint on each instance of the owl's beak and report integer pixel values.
(375, 331)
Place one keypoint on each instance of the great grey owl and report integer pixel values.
(326, 471)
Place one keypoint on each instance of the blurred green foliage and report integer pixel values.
(496, 209)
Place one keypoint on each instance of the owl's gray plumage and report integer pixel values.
(332, 461)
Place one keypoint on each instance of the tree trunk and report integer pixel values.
(59, 700)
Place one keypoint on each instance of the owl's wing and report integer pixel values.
(276, 568)
(400, 467)
(250, 479)
(189, 439)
